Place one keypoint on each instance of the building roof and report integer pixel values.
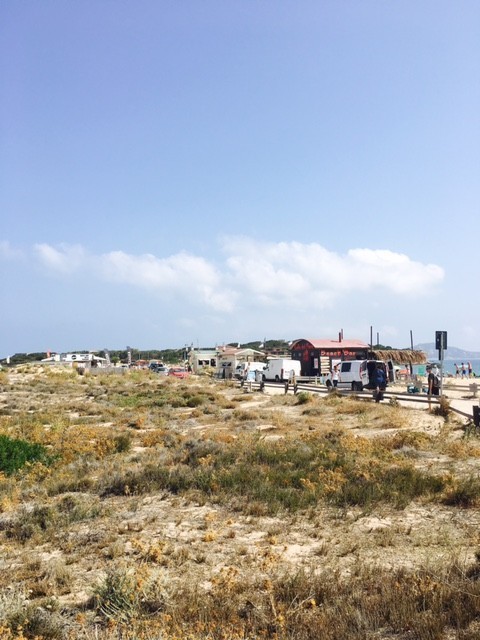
(332, 344)
(204, 350)
(234, 351)
(401, 356)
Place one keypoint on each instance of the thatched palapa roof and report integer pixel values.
(401, 356)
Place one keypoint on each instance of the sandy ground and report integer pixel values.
(460, 393)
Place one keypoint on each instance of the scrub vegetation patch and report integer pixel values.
(140, 507)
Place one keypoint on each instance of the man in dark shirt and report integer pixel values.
(433, 385)
(380, 383)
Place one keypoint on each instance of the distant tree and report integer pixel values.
(277, 344)
(269, 344)
(23, 358)
(252, 345)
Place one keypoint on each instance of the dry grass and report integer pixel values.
(192, 509)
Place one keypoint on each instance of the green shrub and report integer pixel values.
(304, 397)
(195, 401)
(397, 485)
(15, 454)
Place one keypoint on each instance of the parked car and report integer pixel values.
(178, 372)
(159, 367)
(163, 370)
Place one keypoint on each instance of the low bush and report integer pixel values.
(41, 520)
(15, 454)
(443, 408)
(123, 442)
(304, 397)
(34, 620)
(118, 596)
(465, 494)
(31, 522)
(195, 401)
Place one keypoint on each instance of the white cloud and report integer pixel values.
(394, 272)
(191, 278)
(254, 274)
(65, 260)
(183, 274)
(287, 272)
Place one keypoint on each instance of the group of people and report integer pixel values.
(464, 370)
(379, 381)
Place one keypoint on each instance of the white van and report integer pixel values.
(281, 369)
(359, 374)
(244, 368)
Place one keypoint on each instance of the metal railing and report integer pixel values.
(320, 389)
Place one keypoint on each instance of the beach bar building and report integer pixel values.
(316, 356)
(76, 359)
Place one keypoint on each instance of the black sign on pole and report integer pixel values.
(440, 340)
(441, 345)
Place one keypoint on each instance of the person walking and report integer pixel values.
(380, 383)
(457, 370)
(464, 371)
(469, 370)
(335, 376)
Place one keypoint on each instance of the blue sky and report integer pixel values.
(209, 171)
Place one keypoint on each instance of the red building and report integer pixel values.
(316, 355)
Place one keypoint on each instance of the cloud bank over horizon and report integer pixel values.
(245, 289)
(251, 274)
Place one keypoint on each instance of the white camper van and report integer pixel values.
(359, 374)
(281, 369)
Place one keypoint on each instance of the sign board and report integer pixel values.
(420, 370)
(441, 345)
(441, 340)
